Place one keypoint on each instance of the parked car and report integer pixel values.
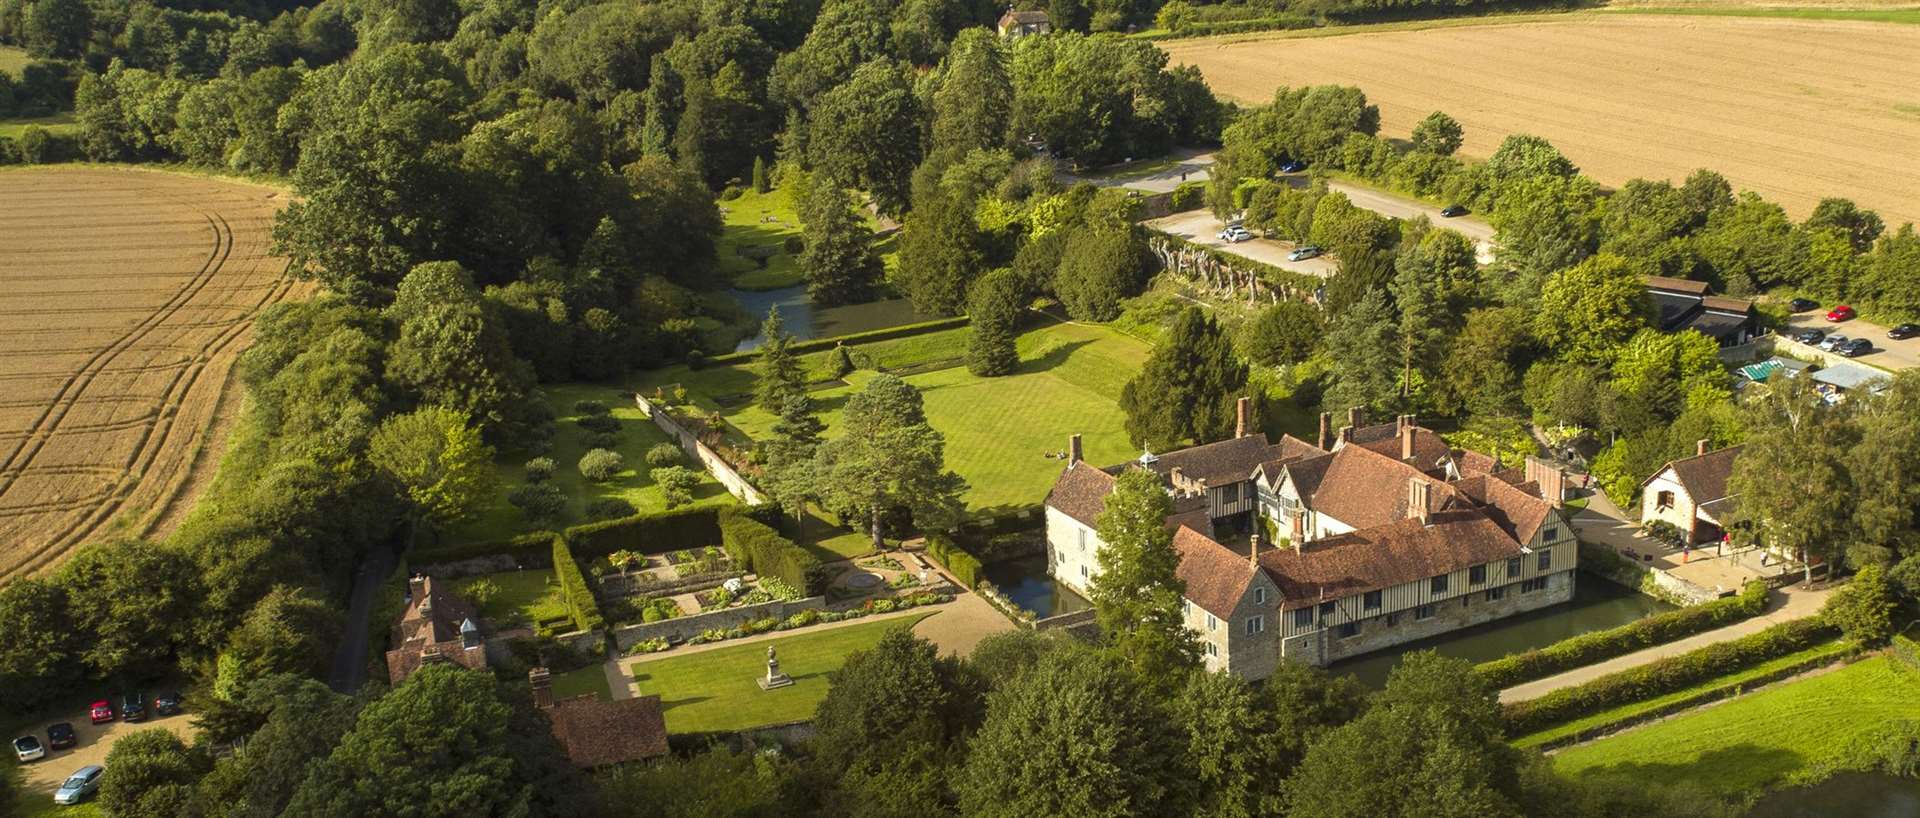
(101, 712)
(1840, 313)
(1855, 348)
(27, 748)
(167, 704)
(84, 782)
(133, 707)
(1810, 337)
(1802, 304)
(1235, 234)
(1833, 342)
(1904, 331)
(1293, 166)
(1304, 253)
(1453, 210)
(60, 736)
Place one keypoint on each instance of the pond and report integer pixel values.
(804, 321)
(1855, 795)
(1025, 581)
(1596, 605)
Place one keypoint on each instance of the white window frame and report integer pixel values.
(1256, 624)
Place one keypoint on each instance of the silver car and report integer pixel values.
(84, 782)
(28, 748)
(1304, 253)
(1833, 342)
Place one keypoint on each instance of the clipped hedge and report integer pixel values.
(1664, 676)
(822, 344)
(964, 567)
(574, 588)
(765, 552)
(1597, 646)
(1188, 196)
(527, 549)
(650, 533)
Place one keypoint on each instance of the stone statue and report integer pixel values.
(775, 679)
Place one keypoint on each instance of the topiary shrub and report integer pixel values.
(542, 502)
(589, 407)
(540, 469)
(663, 455)
(607, 508)
(599, 440)
(600, 465)
(676, 484)
(599, 423)
(840, 363)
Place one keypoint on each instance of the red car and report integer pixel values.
(102, 712)
(1840, 313)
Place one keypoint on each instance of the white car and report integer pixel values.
(28, 748)
(84, 782)
(1235, 234)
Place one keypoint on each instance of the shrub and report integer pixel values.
(658, 609)
(1863, 608)
(540, 469)
(540, 502)
(574, 588)
(654, 645)
(779, 588)
(1588, 648)
(599, 440)
(607, 508)
(964, 566)
(480, 592)
(600, 465)
(1188, 196)
(676, 484)
(589, 407)
(663, 455)
(756, 547)
(730, 193)
(599, 423)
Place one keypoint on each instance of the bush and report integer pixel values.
(1664, 676)
(730, 193)
(1863, 608)
(663, 455)
(779, 588)
(654, 533)
(607, 508)
(658, 609)
(964, 567)
(676, 484)
(600, 465)
(756, 547)
(574, 588)
(599, 440)
(1588, 648)
(540, 502)
(794, 245)
(527, 549)
(599, 423)
(589, 407)
(540, 469)
(1188, 196)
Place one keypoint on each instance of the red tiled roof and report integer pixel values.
(1429, 451)
(434, 632)
(596, 733)
(1363, 488)
(1081, 492)
(1472, 462)
(1384, 556)
(1704, 476)
(1216, 577)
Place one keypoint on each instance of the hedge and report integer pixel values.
(649, 533)
(1664, 676)
(527, 549)
(964, 567)
(574, 588)
(764, 551)
(871, 336)
(1659, 629)
(1188, 196)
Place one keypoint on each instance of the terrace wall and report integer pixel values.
(714, 463)
(685, 627)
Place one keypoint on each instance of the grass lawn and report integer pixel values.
(719, 689)
(58, 123)
(13, 60)
(1743, 746)
(765, 221)
(525, 597)
(997, 429)
(590, 679)
(634, 484)
(40, 804)
(1831, 649)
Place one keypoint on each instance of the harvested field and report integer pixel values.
(125, 298)
(1795, 110)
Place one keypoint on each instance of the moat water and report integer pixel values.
(804, 321)
(1026, 583)
(1853, 795)
(1596, 605)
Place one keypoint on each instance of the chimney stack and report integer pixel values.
(1253, 550)
(1325, 440)
(1406, 442)
(1419, 500)
(1700, 447)
(542, 683)
(1356, 417)
(1299, 530)
(1346, 436)
(1240, 416)
(422, 588)
(1551, 480)
(1073, 450)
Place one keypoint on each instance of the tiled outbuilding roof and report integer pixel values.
(1705, 476)
(596, 733)
(1216, 577)
(1081, 492)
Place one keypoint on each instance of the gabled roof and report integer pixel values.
(1362, 488)
(1678, 285)
(1429, 451)
(596, 733)
(1081, 492)
(1027, 17)
(1222, 462)
(1216, 577)
(1516, 508)
(1384, 556)
(1725, 304)
(1703, 476)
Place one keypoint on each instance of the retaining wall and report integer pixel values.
(714, 463)
(685, 627)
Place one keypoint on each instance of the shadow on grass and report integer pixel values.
(1052, 358)
(1733, 769)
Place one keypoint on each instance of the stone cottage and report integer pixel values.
(436, 627)
(1691, 494)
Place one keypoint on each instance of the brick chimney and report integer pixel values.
(1356, 417)
(1073, 450)
(1299, 529)
(1346, 435)
(1253, 550)
(1240, 408)
(1406, 441)
(1699, 447)
(542, 683)
(422, 588)
(1419, 499)
(1179, 479)
(1551, 480)
(1325, 440)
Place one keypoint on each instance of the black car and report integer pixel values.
(1855, 348)
(166, 704)
(1811, 337)
(133, 707)
(1803, 304)
(1904, 331)
(61, 736)
(1452, 211)
(1293, 166)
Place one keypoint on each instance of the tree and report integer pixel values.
(1705, 193)
(867, 133)
(1863, 608)
(839, 262)
(1887, 459)
(941, 250)
(1137, 594)
(36, 656)
(889, 727)
(1791, 476)
(541, 503)
(56, 28)
(288, 723)
(716, 782)
(1543, 223)
(1438, 134)
(887, 457)
(1285, 333)
(1435, 283)
(438, 460)
(974, 99)
(1365, 346)
(1861, 227)
(1482, 370)
(995, 306)
(1660, 369)
(1587, 311)
(780, 373)
(154, 773)
(1189, 387)
(1524, 156)
(451, 351)
(137, 594)
(600, 465)
(1099, 266)
(1753, 246)
(290, 630)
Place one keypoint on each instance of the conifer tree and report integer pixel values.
(838, 262)
(1187, 390)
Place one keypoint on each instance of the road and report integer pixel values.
(1200, 227)
(349, 669)
(1887, 353)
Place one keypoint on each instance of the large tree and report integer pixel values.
(887, 457)
(1435, 283)
(1438, 134)
(867, 132)
(780, 375)
(890, 725)
(438, 459)
(1137, 594)
(1188, 388)
(1100, 266)
(1587, 311)
(838, 261)
(995, 307)
(154, 773)
(1364, 343)
(974, 99)
(1795, 491)
(941, 251)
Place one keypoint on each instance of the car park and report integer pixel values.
(1453, 211)
(101, 712)
(1811, 337)
(1854, 348)
(1840, 313)
(133, 707)
(60, 736)
(1235, 234)
(1904, 331)
(28, 748)
(166, 704)
(84, 782)
(1803, 304)
(1304, 253)
(1833, 342)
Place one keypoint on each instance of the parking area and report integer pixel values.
(1200, 227)
(40, 778)
(1887, 353)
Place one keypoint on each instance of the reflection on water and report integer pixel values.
(1596, 605)
(1854, 795)
(804, 321)
(1025, 581)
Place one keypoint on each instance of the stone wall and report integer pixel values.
(1065, 620)
(585, 641)
(684, 627)
(714, 463)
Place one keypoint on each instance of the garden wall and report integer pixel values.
(714, 463)
(1604, 562)
(684, 627)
